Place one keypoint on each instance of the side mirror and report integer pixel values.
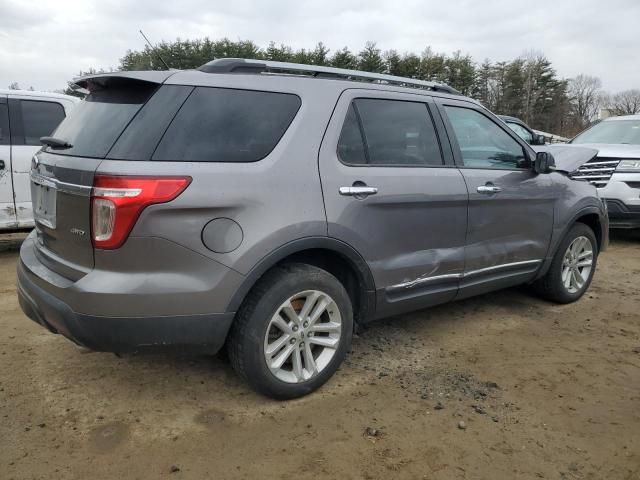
(538, 140)
(544, 163)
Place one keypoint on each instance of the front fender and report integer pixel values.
(560, 232)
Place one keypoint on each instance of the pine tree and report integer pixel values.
(320, 55)
(283, 53)
(370, 59)
(482, 84)
(344, 59)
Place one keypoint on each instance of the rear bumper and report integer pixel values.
(199, 333)
(41, 302)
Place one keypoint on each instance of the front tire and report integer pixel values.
(572, 268)
(292, 332)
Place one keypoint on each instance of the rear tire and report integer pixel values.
(572, 268)
(292, 332)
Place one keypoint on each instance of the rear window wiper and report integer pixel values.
(54, 142)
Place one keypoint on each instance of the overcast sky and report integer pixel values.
(43, 43)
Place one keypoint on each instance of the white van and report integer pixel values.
(25, 116)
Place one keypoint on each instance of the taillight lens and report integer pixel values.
(116, 204)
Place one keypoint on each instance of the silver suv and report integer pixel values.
(616, 169)
(273, 207)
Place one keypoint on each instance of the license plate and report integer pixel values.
(44, 204)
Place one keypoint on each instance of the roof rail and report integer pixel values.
(241, 65)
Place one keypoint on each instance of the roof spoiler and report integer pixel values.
(111, 79)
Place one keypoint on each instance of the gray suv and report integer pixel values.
(271, 208)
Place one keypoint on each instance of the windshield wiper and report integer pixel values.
(54, 142)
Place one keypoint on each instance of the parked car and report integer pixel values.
(616, 170)
(523, 130)
(25, 116)
(272, 207)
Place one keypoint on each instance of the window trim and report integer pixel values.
(363, 134)
(351, 103)
(441, 103)
(6, 139)
(196, 87)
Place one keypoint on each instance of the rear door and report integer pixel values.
(31, 118)
(393, 194)
(510, 207)
(7, 208)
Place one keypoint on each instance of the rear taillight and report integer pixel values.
(116, 204)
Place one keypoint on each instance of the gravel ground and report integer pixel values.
(503, 386)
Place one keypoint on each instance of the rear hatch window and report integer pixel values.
(95, 124)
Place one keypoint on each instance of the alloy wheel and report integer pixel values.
(303, 336)
(577, 264)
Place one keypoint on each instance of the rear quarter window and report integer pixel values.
(227, 125)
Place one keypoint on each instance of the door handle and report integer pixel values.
(488, 189)
(357, 191)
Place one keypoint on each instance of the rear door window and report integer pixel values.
(39, 119)
(227, 125)
(394, 133)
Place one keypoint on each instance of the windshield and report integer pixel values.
(616, 131)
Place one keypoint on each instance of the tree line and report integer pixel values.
(527, 87)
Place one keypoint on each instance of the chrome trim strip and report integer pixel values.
(604, 170)
(60, 186)
(454, 276)
(607, 162)
(500, 267)
(590, 176)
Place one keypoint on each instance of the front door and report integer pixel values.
(7, 207)
(393, 194)
(510, 207)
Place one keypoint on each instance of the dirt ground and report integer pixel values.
(504, 386)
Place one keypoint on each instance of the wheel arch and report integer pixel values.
(335, 256)
(590, 216)
(592, 220)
